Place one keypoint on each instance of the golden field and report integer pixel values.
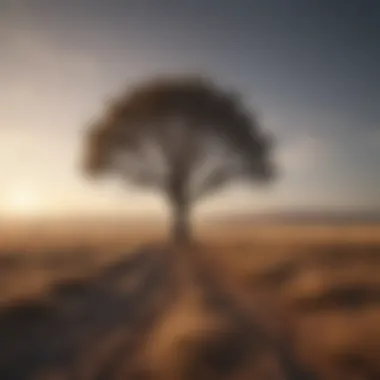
(117, 303)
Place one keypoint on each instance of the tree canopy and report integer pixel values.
(184, 136)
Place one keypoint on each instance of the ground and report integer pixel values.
(244, 302)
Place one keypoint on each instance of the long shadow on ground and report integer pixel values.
(51, 336)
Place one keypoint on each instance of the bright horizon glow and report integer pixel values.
(23, 202)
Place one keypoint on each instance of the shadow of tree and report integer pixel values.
(97, 328)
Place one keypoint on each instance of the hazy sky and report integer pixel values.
(310, 69)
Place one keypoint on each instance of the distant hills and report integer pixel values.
(307, 217)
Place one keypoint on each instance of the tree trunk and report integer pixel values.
(177, 195)
(181, 228)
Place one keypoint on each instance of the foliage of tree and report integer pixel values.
(185, 137)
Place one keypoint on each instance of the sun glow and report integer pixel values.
(23, 202)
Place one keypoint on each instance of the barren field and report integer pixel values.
(244, 302)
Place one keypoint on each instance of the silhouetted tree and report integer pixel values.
(183, 136)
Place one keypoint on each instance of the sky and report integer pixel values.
(310, 69)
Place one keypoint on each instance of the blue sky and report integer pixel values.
(309, 68)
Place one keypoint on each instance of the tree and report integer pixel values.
(185, 137)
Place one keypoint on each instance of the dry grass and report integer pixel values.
(320, 286)
(326, 279)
